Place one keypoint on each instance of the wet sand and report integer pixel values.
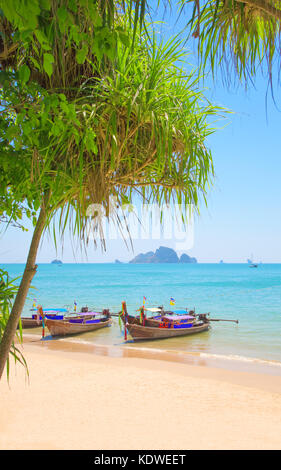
(82, 396)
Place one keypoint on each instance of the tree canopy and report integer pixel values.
(90, 124)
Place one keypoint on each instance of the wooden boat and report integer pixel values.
(34, 322)
(166, 325)
(75, 326)
(139, 332)
(55, 314)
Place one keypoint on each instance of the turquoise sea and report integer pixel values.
(230, 291)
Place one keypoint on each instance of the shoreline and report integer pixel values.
(221, 365)
(79, 399)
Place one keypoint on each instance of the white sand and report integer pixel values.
(86, 401)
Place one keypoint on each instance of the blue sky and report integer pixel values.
(243, 214)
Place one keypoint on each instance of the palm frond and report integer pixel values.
(8, 290)
(238, 37)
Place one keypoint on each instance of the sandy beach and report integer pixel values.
(78, 400)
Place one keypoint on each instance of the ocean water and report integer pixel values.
(227, 291)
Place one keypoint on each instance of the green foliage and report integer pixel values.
(8, 290)
(45, 47)
(141, 129)
(16, 200)
(130, 122)
(236, 38)
(56, 43)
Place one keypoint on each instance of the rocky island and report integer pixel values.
(162, 255)
(56, 261)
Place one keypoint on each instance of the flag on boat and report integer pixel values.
(34, 303)
(172, 301)
(75, 305)
(144, 300)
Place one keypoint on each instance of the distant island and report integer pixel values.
(162, 255)
(56, 261)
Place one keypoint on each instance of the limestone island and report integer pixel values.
(162, 255)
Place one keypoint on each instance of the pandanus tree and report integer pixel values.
(237, 37)
(94, 108)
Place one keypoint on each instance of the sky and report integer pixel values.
(243, 217)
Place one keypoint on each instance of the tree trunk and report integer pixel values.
(29, 272)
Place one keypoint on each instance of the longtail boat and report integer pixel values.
(166, 325)
(170, 330)
(55, 314)
(36, 320)
(82, 324)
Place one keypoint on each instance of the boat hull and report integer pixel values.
(64, 327)
(30, 322)
(140, 333)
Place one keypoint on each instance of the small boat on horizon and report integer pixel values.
(251, 263)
